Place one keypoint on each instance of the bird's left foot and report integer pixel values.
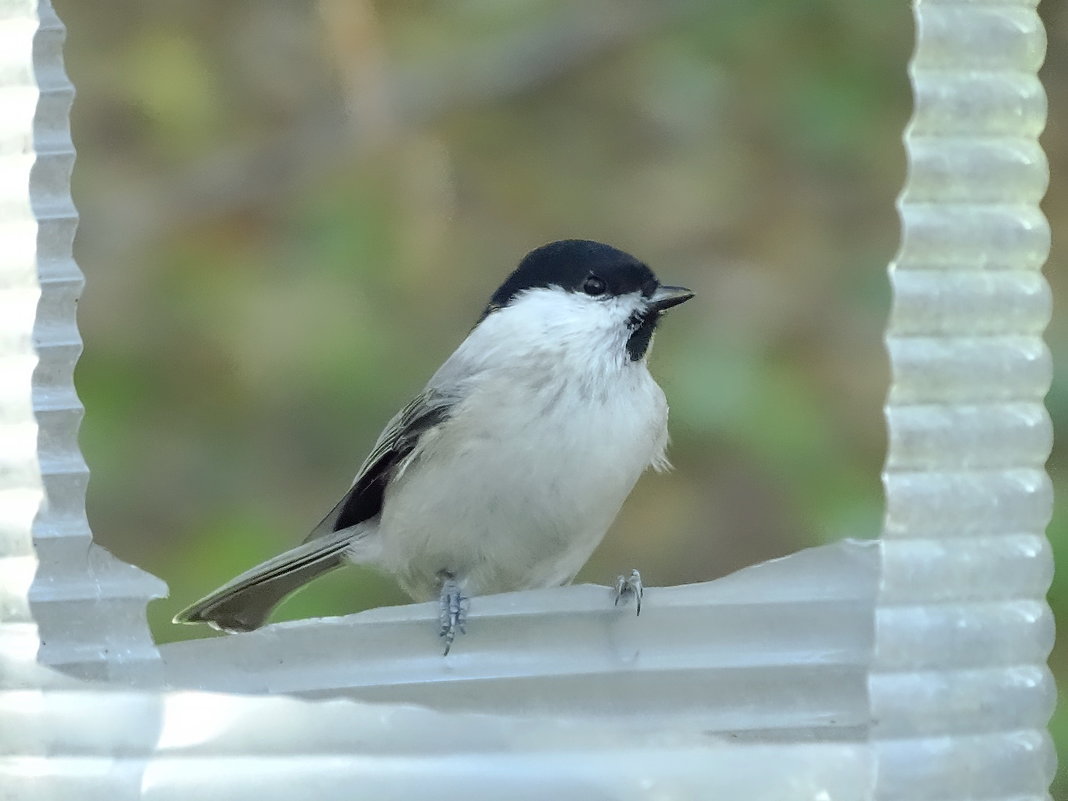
(453, 610)
(628, 587)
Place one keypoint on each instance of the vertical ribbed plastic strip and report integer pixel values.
(959, 689)
(89, 606)
(21, 486)
(59, 738)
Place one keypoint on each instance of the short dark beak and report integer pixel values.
(667, 296)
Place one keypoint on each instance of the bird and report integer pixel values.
(507, 470)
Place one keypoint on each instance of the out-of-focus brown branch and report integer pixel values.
(240, 175)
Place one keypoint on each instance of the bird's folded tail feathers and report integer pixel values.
(245, 602)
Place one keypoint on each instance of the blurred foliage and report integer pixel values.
(293, 211)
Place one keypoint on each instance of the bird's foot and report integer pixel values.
(453, 609)
(628, 587)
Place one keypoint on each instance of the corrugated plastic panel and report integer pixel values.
(959, 688)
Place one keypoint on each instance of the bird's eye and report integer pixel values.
(594, 286)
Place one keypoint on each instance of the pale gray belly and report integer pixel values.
(515, 509)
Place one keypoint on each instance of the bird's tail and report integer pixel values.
(245, 602)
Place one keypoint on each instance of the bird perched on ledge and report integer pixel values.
(506, 471)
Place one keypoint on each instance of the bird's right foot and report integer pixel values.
(453, 610)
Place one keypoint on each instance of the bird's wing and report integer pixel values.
(364, 499)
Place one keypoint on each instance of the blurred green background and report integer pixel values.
(293, 211)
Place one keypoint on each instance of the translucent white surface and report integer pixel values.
(62, 600)
(959, 688)
(21, 488)
(912, 668)
(366, 751)
(779, 651)
(88, 606)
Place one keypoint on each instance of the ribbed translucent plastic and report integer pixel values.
(905, 669)
(109, 638)
(63, 601)
(960, 693)
(51, 579)
(21, 485)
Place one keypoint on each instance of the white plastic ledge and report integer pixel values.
(777, 651)
(752, 686)
(908, 669)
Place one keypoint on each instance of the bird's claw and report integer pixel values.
(630, 587)
(453, 610)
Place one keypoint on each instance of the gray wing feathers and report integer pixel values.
(364, 498)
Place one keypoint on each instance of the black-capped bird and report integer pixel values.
(506, 471)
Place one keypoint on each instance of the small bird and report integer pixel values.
(506, 471)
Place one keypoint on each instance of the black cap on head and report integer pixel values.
(569, 263)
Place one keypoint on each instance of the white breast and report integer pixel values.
(521, 484)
